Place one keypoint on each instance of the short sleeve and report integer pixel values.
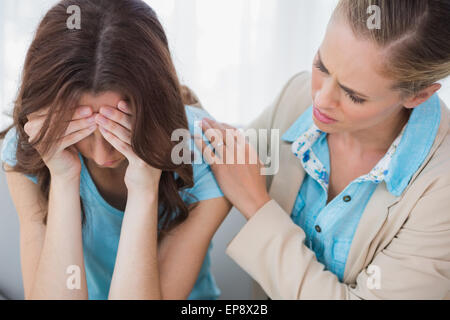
(205, 184)
(8, 151)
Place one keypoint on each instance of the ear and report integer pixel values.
(421, 96)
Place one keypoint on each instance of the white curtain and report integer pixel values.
(235, 54)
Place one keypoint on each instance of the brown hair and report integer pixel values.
(414, 35)
(121, 47)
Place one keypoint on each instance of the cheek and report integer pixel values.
(363, 116)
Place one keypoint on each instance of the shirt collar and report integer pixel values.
(415, 144)
(300, 126)
(419, 136)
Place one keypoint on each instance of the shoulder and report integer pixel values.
(430, 188)
(438, 164)
(205, 184)
(9, 151)
(9, 148)
(195, 114)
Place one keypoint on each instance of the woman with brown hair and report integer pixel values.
(104, 210)
(360, 206)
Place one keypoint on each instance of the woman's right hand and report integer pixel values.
(62, 160)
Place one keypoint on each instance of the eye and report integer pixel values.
(320, 66)
(355, 99)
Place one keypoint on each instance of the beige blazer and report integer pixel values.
(405, 240)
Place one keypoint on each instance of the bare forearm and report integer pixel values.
(63, 247)
(136, 274)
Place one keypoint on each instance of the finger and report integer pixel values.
(235, 133)
(123, 106)
(34, 124)
(240, 140)
(40, 113)
(112, 126)
(230, 130)
(82, 112)
(75, 137)
(77, 125)
(232, 139)
(209, 123)
(226, 126)
(207, 153)
(118, 144)
(216, 139)
(219, 125)
(117, 116)
(32, 128)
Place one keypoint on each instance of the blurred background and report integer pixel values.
(235, 54)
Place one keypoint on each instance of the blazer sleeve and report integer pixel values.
(415, 265)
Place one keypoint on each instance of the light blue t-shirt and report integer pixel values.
(101, 231)
(330, 228)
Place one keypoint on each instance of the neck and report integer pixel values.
(376, 139)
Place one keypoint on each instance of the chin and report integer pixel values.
(324, 127)
(115, 165)
(119, 163)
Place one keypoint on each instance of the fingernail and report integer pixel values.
(106, 111)
(100, 120)
(85, 112)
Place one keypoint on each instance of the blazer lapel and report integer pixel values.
(286, 183)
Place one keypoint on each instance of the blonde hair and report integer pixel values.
(414, 36)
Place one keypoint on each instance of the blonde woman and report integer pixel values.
(360, 207)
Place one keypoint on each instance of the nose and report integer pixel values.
(102, 150)
(327, 97)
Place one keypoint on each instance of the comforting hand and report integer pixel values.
(115, 126)
(242, 184)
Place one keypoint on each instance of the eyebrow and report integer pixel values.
(347, 89)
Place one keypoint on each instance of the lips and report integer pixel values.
(323, 117)
(109, 163)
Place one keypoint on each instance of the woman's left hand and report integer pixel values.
(115, 126)
(242, 184)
